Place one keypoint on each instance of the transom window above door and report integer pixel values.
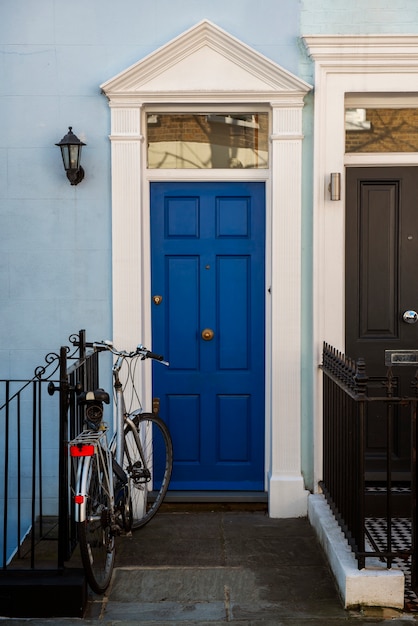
(381, 129)
(207, 141)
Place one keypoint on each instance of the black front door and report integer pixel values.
(381, 285)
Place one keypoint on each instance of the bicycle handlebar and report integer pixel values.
(140, 350)
(152, 355)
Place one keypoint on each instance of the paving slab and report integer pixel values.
(212, 567)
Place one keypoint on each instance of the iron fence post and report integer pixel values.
(414, 446)
(63, 506)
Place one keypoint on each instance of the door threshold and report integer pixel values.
(222, 497)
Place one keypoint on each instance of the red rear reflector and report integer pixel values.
(82, 450)
(79, 499)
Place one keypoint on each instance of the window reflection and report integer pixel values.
(185, 141)
(381, 130)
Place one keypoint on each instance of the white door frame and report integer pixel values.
(344, 65)
(239, 79)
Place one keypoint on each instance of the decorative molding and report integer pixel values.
(236, 78)
(349, 67)
(231, 67)
(341, 49)
(126, 121)
(286, 137)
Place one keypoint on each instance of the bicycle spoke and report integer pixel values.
(97, 542)
(148, 462)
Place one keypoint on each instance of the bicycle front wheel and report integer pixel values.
(97, 541)
(148, 461)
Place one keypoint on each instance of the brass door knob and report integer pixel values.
(207, 334)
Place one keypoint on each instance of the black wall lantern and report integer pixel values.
(71, 153)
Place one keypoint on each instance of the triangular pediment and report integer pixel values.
(204, 60)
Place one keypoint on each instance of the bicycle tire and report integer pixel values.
(96, 539)
(148, 461)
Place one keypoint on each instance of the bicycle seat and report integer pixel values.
(99, 395)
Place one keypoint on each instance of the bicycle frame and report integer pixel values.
(120, 411)
(91, 442)
(84, 447)
(113, 477)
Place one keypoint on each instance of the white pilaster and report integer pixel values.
(287, 495)
(126, 225)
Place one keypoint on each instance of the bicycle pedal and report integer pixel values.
(125, 533)
(141, 474)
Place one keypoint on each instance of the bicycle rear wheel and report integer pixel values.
(148, 460)
(97, 541)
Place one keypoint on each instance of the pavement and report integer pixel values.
(213, 565)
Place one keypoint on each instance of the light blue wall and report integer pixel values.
(307, 425)
(55, 263)
(359, 17)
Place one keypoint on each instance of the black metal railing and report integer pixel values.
(35, 477)
(349, 397)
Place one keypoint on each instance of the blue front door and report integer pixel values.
(208, 288)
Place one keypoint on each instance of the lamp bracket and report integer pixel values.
(75, 176)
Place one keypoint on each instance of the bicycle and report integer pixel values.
(120, 483)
